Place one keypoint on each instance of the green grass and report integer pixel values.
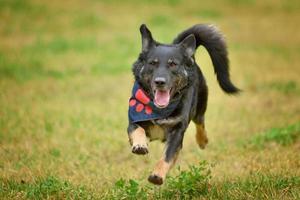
(289, 87)
(195, 183)
(60, 45)
(49, 187)
(191, 183)
(65, 79)
(208, 14)
(282, 136)
(258, 187)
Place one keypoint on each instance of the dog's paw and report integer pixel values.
(203, 142)
(139, 149)
(155, 179)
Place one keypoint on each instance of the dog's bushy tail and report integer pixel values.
(209, 36)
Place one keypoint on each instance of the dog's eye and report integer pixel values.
(153, 62)
(172, 64)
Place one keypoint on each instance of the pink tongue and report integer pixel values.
(162, 98)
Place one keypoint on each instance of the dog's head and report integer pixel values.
(164, 70)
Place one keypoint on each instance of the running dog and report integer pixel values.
(170, 91)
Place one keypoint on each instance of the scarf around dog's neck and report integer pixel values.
(142, 107)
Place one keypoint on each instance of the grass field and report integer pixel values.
(65, 79)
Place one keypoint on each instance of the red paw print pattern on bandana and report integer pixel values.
(132, 102)
(141, 97)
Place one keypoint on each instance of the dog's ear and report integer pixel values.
(147, 40)
(189, 45)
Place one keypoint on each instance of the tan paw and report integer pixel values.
(201, 136)
(202, 142)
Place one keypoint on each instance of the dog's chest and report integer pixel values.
(155, 132)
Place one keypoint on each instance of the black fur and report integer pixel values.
(213, 41)
(175, 64)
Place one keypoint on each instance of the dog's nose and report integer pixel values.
(160, 81)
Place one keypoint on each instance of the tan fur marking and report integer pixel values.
(201, 136)
(162, 167)
(138, 137)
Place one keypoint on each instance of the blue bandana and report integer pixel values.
(142, 108)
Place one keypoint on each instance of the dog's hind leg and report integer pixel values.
(201, 137)
(137, 139)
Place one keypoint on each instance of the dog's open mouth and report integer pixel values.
(162, 98)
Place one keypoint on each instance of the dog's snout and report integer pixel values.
(160, 81)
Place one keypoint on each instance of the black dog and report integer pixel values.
(168, 80)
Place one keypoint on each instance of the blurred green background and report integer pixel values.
(65, 79)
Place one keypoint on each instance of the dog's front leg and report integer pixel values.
(173, 146)
(137, 139)
(175, 135)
